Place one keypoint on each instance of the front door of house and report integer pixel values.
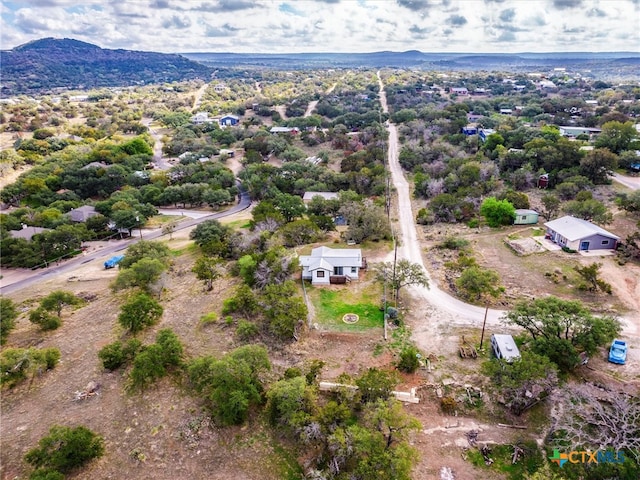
(337, 270)
(584, 245)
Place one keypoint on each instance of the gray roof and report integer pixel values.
(326, 195)
(27, 232)
(525, 211)
(80, 214)
(326, 258)
(574, 228)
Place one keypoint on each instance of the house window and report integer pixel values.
(353, 270)
(320, 274)
(605, 242)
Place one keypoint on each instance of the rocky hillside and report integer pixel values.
(46, 64)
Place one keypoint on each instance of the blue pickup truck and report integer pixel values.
(113, 261)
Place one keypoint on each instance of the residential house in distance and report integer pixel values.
(580, 235)
(459, 91)
(573, 132)
(326, 195)
(27, 232)
(229, 120)
(525, 216)
(81, 214)
(331, 265)
(291, 130)
(471, 129)
(201, 118)
(483, 133)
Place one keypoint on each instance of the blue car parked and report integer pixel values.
(618, 352)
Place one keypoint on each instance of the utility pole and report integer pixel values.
(395, 258)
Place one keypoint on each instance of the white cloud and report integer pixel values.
(329, 25)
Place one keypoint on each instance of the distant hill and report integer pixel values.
(603, 64)
(49, 63)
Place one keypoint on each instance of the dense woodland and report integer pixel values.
(99, 152)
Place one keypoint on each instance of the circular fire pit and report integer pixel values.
(350, 318)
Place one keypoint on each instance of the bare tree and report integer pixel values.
(591, 416)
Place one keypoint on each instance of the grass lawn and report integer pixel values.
(332, 304)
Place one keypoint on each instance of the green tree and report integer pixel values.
(497, 212)
(8, 315)
(550, 206)
(524, 381)
(115, 355)
(480, 283)
(207, 269)
(128, 219)
(141, 274)
(57, 300)
(65, 449)
(232, 384)
(561, 328)
(284, 309)
(616, 136)
(145, 249)
(148, 367)
(589, 209)
(598, 164)
(403, 274)
(375, 448)
(593, 282)
(375, 384)
(300, 232)
(290, 206)
(291, 403)
(16, 364)
(156, 360)
(139, 312)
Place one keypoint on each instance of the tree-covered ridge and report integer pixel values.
(50, 63)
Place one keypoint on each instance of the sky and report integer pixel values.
(297, 26)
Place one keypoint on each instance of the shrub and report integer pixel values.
(8, 315)
(44, 319)
(112, 356)
(65, 449)
(448, 405)
(246, 330)
(453, 243)
(409, 359)
(46, 474)
(16, 364)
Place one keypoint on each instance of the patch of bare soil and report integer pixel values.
(162, 433)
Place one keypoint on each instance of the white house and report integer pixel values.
(308, 196)
(326, 264)
(202, 117)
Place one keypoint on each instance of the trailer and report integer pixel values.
(113, 261)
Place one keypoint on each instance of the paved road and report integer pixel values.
(443, 308)
(630, 182)
(71, 264)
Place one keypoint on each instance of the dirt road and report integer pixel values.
(440, 309)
